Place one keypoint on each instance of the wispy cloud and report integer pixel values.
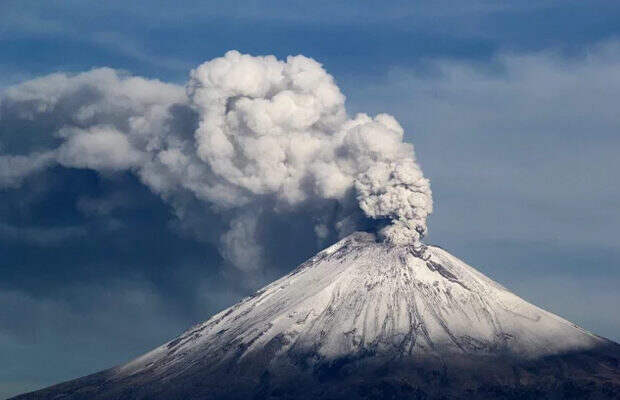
(531, 141)
(128, 47)
(40, 236)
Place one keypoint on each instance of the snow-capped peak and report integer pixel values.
(361, 296)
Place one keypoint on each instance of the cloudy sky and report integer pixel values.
(104, 254)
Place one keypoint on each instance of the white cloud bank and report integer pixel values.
(245, 134)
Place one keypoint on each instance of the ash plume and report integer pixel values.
(246, 138)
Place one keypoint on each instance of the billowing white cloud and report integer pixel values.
(247, 134)
(99, 148)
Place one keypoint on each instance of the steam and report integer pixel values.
(245, 136)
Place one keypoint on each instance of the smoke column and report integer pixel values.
(246, 136)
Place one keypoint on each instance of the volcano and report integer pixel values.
(365, 319)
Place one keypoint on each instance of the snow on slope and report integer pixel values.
(360, 296)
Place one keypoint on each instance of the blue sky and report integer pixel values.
(511, 108)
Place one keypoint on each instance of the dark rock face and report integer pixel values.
(363, 320)
(593, 374)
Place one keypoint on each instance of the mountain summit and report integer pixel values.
(369, 319)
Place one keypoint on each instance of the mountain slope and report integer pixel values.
(364, 319)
